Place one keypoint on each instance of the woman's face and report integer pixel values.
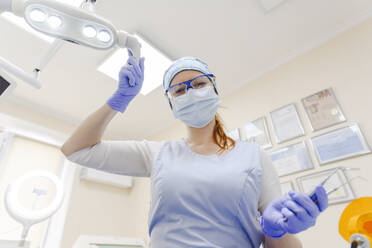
(184, 76)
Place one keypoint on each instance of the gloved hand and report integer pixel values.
(132, 72)
(292, 213)
(272, 216)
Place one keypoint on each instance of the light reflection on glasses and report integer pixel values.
(198, 82)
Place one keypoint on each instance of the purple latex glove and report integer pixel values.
(272, 216)
(131, 78)
(301, 212)
(292, 213)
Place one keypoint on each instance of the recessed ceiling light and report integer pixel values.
(155, 65)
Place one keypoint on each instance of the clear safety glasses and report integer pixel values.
(195, 83)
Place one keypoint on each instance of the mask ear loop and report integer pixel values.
(214, 85)
(169, 102)
(215, 88)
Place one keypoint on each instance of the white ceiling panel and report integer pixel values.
(236, 38)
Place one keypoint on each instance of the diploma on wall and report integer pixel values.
(257, 131)
(234, 134)
(286, 123)
(291, 159)
(339, 144)
(323, 109)
(286, 187)
(345, 193)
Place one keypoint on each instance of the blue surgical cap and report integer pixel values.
(181, 64)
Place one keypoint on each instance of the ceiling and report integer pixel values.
(237, 38)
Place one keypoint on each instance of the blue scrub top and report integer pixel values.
(205, 200)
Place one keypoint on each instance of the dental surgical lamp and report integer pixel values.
(26, 216)
(66, 23)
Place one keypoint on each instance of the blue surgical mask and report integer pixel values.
(197, 107)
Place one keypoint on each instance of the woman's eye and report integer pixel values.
(201, 84)
(179, 91)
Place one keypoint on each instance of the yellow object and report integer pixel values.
(357, 219)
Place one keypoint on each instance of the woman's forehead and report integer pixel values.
(185, 75)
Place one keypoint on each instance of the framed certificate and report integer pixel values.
(286, 187)
(286, 123)
(257, 131)
(339, 144)
(323, 109)
(291, 159)
(345, 193)
(234, 134)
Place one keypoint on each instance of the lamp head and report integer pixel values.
(69, 23)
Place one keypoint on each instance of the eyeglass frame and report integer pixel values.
(188, 84)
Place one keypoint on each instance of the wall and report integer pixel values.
(344, 64)
(94, 208)
(28, 113)
(97, 209)
(34, 155)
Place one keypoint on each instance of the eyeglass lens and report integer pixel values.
(197, 83)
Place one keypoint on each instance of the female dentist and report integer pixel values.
(207, 190)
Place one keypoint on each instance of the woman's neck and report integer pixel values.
(201, 136)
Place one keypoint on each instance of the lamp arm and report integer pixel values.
(18, 7)
(18, 72)
(5, 5)
(14, 6)
(125, 40)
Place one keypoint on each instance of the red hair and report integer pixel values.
(219, 136)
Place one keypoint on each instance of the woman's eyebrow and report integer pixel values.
(186, 80)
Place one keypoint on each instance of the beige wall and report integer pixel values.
(97, 209)
(343, 63)
(28, 113)
(35, 156)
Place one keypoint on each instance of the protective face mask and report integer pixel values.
(197, 107)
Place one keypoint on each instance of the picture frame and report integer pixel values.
(291, 159)
(234, 134)
(257, 131)
(339, 144)
(286, 123)
(308, 183)
(286, 186)
(323, 109)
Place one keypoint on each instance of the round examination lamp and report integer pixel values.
(355, 224)
(69, 23)
(28, 217)
(65, 22)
